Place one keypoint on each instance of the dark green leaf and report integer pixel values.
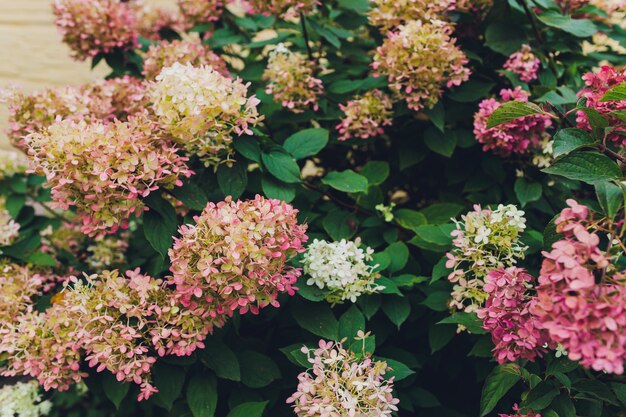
(570, 139)
(616, 93)
(581, 28)
(409, 219)
(541, 396)
(347, 181)
(527, 191)
(351, 322)
(317, 318)
(397, 309)
(202, 395)
(439, 336)
(439, 142)
(279, 190)
(250, 409)
(306, 142)
(610, 196)
(281, 165)
(467, 320)
(220, 358)
(191, 195)
(114, 390)
(399, 254)
(169, 381)
(232, 180)
(589, 167)
(512, 110)
(498, 383)
(398, 370)
(257, 370)
(249, 147)
(376, 172)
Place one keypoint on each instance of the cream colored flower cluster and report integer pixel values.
(23, 399)
(341, 268)
(388, 14)
(203, 110)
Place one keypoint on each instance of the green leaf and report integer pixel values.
(249, 147)
(202, 395)
(504, 37)
(281, 165)
(220, 358)
(295, 355)
(409, 219)
(471, 91)
(596, 389)
(399, 254)
(541, 396)
(306, 142)
(159, 223)
(437, 300)
(439, 142)
(351, 322)
(257, 370)
(596, 119)
(468, 320)
(14, 204)
(42, 259)
(563, 406)
(376, 172)
(498, 383)
(169, 380)
(114, 390)
(620, 392)
(437, 115)
(359, 6)
(571, 139)
(279, 190)
(512, 110)
(340, 224)
(317, 318)
(347, 181)
(396, 308)
(616, 93)
(589, 167)
(610, 197)
(232, 180)
(250, 409)
(441, 212)
(398, 370)
(527, 191)
(191, 195)
(433, 237)
(581, 28)
(440, 336)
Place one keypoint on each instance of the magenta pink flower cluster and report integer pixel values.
(506, 316)
(341, 384)
(517, 136)
(597, 84)
(366, 116)
(192, 51)
(524, 63)
(419, 59)
(235, 257)
(586, 316)
(105, 169)
(91, 27)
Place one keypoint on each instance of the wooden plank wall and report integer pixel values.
(32, 55)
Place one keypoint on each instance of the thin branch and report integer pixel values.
(54, 213)
(559, 113)
(305, 33)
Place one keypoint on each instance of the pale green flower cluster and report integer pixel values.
(23, 399)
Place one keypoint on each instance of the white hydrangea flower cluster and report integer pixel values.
(342, 269)
(484, 240)
(11, 163)
(23, 399)
(202, 110)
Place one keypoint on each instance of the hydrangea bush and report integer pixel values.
(343, 208)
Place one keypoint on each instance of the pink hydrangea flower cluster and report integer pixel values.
(20, 285)
(365, 116)
(235, 257)
(388, 14)
(196, 12)
(291, 80)
(153, 20)
(92, 27)
(202, 110)
(115, 98)
(524, 63)
(283, 8)
(9, 228)
(29, 113)
(113, 321)
(517, 136)
(341, 384)
(581, 298)
(419, 59)
(596, 84)
(105, 169)
(192, 51)
(506, 316)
